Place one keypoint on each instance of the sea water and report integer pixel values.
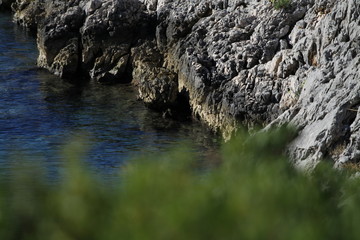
(40, 114)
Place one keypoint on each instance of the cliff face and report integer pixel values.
(84, 38)
(228, 62)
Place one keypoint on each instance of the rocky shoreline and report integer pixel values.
(224, 62)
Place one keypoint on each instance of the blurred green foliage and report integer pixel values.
(254, 193)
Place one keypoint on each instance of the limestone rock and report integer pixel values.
(327, 109)
(104, 32)
(65, 63)
(27, 12)
(158, 86)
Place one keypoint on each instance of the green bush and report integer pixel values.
(253, 194)
(279, 4)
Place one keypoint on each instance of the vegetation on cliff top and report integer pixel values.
(253, 194)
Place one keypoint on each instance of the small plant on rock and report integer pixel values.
(278, 4)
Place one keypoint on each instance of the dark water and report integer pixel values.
(39, 113)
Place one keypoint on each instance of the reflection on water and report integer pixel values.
(39, 113)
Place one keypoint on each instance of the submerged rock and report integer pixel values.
(230, 62)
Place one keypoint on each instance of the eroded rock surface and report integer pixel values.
(84, 38)
(230, 62)
(326, 111)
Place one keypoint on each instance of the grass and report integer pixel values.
(253, 194)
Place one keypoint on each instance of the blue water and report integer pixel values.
(40, 113)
